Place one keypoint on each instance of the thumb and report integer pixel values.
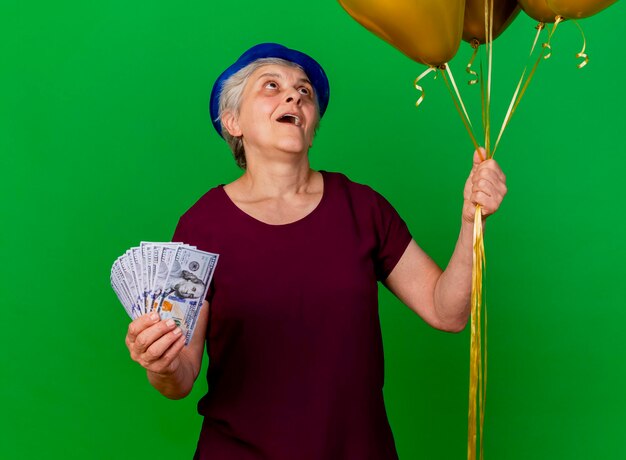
(479, 155)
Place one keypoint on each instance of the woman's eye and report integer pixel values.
(271, 85)
(305, 91)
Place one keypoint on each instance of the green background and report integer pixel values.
(105, 141)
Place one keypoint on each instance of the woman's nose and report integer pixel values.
(294, 95)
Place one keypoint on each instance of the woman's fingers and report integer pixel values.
(160, 355)
(489, 187)
(151, 334)
(488, 203)
(139, 325)
(154, 343)
(479, 155)
(489, 170)
(170, 347)
(488, 196)
(485, 186)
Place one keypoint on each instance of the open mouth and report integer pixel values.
(290, 119)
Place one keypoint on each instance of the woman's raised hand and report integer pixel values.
(486, 186)
(155, 344)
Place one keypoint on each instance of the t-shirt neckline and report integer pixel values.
(308, 216)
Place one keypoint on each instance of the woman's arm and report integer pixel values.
(442, 298)
(159, 347)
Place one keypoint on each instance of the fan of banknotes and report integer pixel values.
(169, 278)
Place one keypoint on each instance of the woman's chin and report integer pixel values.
(294, 147)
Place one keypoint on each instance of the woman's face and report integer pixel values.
(277, 110)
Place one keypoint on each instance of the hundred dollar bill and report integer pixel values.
(154, 267)
(137, 264)
(167, 253)
(127, 298)
(185, 287)
(130, 277)
(146, 255)
(120, 294)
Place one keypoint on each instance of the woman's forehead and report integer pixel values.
(281, 72)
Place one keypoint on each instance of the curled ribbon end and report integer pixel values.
(581, 53)
(419, 87)
(475, 44)
(421, 90)
(557, 21)
(549, 48)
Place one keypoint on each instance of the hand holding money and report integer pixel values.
(170, 279)
(155, 343)
(159, 347)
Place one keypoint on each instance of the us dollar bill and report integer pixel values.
(186, 285)
(123, 281)
(164, 264)
(126, 263)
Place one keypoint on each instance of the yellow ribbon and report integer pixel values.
(478, 366)
(521, 90)
(475, 44)
(540, 26)
(546, 45)
(419, 88)
(458, 102)
(478, 370)
(582, 53)
(514, 99)
(486, 91)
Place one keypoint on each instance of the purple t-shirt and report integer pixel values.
(294, 343)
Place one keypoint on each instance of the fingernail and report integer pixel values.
(177, 331)
(154, 316)
(170, 323)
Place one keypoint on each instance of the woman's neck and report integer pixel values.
(276, 179)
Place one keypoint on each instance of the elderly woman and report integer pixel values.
(291, 318)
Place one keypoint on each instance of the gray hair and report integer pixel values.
(230, 100)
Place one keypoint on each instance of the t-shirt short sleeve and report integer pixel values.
(393, 237)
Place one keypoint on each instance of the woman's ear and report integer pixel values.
(230, 122)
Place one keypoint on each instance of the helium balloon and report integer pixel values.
(427, 31)
(504, 12)
(538, 10)
(577, 9)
